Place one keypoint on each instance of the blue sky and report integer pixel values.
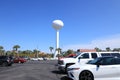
(87, 24)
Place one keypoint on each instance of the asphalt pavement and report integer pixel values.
(32, 70)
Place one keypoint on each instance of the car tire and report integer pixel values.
(86, 75)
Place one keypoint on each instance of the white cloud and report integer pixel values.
(112, 41)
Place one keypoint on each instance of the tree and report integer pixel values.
(108, 49)
(1, 50)
(15, 47)
(68, 52)
(51, 49)
(59, 52)
(116, 49)
(35, 51)
(97, 49)
(8, 53)
(1, 47)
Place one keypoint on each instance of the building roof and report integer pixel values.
(87, 50)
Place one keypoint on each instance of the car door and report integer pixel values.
(84, 58)
(117, 65)
(107, 69)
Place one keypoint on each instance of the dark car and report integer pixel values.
(19, 60)
(6, 60)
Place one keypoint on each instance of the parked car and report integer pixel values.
(82, 58)
(36, 59)
(102, 68)
(19, 60)
(6, 60)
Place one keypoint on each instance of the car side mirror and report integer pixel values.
(79, 58)
(98, 64)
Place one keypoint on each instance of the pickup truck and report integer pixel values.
(82, 58)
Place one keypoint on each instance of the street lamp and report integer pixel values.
(57, 25)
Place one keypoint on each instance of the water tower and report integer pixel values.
(57, 25)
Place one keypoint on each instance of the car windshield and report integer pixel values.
(76, 55)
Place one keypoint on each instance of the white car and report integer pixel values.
(82, 58)
(36, 59)
(102, 68)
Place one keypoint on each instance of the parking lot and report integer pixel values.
(32, 70)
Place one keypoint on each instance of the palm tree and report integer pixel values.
(1, 50)
(108, 49)
(36, 52)
(15, 48)
(51, 49)
(59, 52)
(97, 49)
(1, 47)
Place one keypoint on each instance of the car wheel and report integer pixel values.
(4, 64)
(86, 75)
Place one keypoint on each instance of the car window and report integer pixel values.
(94, 55)
(105, 54)
(115, 55)
(85, 56)
(3, 57)
(107, 61)
(117, 60)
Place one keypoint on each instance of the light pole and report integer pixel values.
(57, 25)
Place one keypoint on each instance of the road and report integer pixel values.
(32, 70)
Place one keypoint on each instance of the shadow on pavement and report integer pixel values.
(58, 72)
(63, 75)
(65, 78)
